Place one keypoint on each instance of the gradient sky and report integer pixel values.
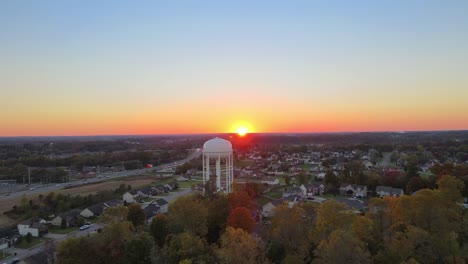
(150, 67)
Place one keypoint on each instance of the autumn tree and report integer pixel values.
(342, 247)
(288, 231)
(188, 214)
(114, 215)
(241, 217)
(136, 215)
(238, 246)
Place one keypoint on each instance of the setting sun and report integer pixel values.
(242, 131)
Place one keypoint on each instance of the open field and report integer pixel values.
(134, 181)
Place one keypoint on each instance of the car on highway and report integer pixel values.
(84, 227)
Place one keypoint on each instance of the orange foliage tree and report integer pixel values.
(240, 217)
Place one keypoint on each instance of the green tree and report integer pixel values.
(186, 247)
(137, 249)
(76, 251)
(63, 223)
(28, 237)
(136, 215)
(159, 229)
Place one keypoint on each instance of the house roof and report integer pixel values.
(352, 204)
(151, 210)
(113, 203)
(161, 202)
(388, 189)
(97, 209)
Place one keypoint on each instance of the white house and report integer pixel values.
(311, 189)
(35, 226)
(163, 205)
(353, 190)
(131, 196)
(388, 191)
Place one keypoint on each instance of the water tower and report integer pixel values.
(217, 162)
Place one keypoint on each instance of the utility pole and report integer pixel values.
(29, 175)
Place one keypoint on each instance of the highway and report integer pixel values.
(36, 189)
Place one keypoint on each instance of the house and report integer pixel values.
(388, 191)
(113, 203)
(131, 196)
(94, 210)
(268, 210)
(71, 218)
(352, 204)
(35, 226)
(311, 189)
(293, 191)
(181, 179)
(354, 190)
(367, 164)
(163, 204)
(150, 211)
(145, 192)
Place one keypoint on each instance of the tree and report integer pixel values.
(342, 247)
(287, 180)
(136, 215)
(28, 237)
(218, 213)
(302, 179)
(63, 223)
(137, 249)
(159, 230)
(114, 214)
(238, 246)
(331, 215)
(186, 247)
(109, 243)
(188, 214)
(76, 251)
(241, 217)
(289, 229)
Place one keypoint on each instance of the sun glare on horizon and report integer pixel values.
(242, 131)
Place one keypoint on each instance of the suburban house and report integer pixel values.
(35, 226)
(94, 210)
(268, 210)
(181, 179)
(131, 196)
(353, 205)
(163, 204)
(150, 211)
(311, 189)
(367, 164)
(293, 191)
(388, 191)
(71, 218)
(145, 192)
(353, 190)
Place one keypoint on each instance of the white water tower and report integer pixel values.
(217, 162)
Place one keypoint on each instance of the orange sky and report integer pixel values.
(154, 67)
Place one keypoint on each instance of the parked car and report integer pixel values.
(84, 227)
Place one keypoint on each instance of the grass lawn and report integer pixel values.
(187, 184)
(276, 194)
(425, 175)
(58, 230)
(263, 200)
(305, 167)
(245, 163)
(5, 256)
(34, 242)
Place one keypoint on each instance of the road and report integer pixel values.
(52, 187)
(24, 253)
